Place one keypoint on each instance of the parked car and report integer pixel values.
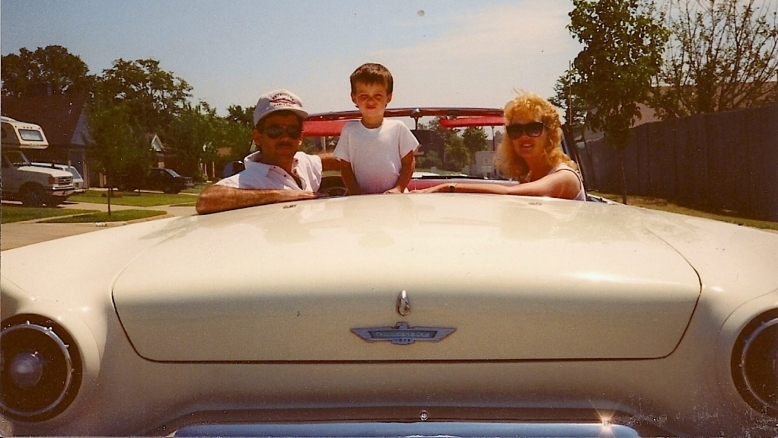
(435, 305)
(160, 179)
(21, 181)
(78, 181)
(422, 314)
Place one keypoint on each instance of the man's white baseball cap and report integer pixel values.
(278, 100)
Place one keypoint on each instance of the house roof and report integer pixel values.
(62, 117)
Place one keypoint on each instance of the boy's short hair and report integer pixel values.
(372, 73)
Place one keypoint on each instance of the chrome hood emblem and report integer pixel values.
(403, 304)
(403, 334)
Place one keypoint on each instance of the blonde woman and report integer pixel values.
(530, 153)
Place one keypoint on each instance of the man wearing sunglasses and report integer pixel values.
(277, 172)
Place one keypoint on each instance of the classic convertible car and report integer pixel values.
(414, 314)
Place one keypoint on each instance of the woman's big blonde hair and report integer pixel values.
(530, 106)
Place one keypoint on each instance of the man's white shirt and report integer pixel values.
(256, 175)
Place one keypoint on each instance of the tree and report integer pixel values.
(152, 96)
(115, 146)
(429, 160)
(457, 155)
(722, 55)
(238, 114)
(623, 44)
(475, 140)
(192, 137)
(566, 97)
(51, 69)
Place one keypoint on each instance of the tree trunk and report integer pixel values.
(623, 176)
(593, 176)
(110, 192)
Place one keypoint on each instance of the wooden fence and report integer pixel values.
(723, 160)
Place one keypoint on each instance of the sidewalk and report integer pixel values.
(17, 234)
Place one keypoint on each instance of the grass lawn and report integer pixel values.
(17, 213)
(664, 205)
(135, 199)
(100, 216)
(197, 188)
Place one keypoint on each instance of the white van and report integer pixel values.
(78, 180)
(21, 181)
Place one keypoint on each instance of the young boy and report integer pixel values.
(376, 155)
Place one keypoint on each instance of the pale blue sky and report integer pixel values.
(441, 53)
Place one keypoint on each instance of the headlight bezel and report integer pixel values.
(49, 346)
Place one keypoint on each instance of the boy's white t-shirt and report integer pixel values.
(375, 154)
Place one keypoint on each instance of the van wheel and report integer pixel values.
(33, 196)
(54, 201)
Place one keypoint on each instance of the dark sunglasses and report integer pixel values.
(516, 130)
(276, 131)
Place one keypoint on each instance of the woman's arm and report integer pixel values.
(562, 184)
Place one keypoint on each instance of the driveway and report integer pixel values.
(17, 234)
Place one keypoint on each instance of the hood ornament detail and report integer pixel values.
(403, 304)
(403, 334)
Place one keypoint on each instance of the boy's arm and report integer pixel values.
(349, 178)
(406, 172)
(329, 162)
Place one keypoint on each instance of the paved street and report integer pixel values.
(19, 234)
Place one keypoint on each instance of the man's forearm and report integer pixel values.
(218, 198)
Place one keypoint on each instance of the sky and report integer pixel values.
(441, 53)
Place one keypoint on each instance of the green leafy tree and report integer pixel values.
(457, 156)
(235, 136)
(152, 96)
(429, 160)
(192, 137)
(52, 69)
(722, 55)
(567, 98)
(623, 45)
(115, 146)
(238, 114)
(442, 133)
(475, 139)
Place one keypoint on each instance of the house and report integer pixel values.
(483, 164)
(63, 119)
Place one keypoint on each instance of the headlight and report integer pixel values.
(755, 363)
(40, 369)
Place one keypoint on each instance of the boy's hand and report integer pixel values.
(393, 190)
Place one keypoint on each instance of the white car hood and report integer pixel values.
(48, 171)
(516, 278)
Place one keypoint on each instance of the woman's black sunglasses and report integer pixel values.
(516, 130)
(275, 131)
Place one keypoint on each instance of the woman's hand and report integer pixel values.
(434, 189)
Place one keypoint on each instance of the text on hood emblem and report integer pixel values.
(403, 334)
